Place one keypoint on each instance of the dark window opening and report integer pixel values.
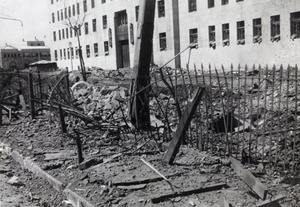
(86, 28)
(224, 2)
(54, 36)
(162, 41)
(104, 21)
(225, 34)
(96, 49)
(84, 6)
(257, 38)
(106, 48)
(275, 28)
(88, 51)
(161, 8)
(211, 3)
(295, 25)
(94, 25)
(137, 13)
(212, 36)
(193, 36)
(241, 33)
(192, 5)
(93, 3)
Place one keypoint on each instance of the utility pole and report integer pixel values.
(139, 104)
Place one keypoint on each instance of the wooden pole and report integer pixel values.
(139, 105)
(62, 120)
(31, 96)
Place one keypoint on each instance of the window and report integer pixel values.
(61, 14)
(106, 48)
(212, 36)
(225, 35)
(103, 1)
(224, 2)
(93, 3)
(51, 1)
(275, 28)
(161, 8)
(96, 49)
(76, 52)
(65, 54)
(86, 28)
(211, 3)
(122, 18)
(60, 54)
(67, 33)
(84, 6)
(94, 25)
(88, 51)
(55, 54)
(239, 0)
(66, 13)
(54, 36)
(241, 33)
(68, 53)
(104, 20)
(192, 5)
(57, 15)
(71, 32)
(73, 10)
(78, 8)
(72, 52)
(79, 31)
(257, 31)
(295, 25)
(162, 41)
(137, 13)
(193, 36)
(59, 34)
(63, 33)
(53, 17)
(70, 13)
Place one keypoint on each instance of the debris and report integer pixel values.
(249, 179)
(155, 170)
(189, 192)
(88, 163)
(271, 201)
(14, 181)
(183, 126)
(132, 187)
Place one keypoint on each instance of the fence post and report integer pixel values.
(31, 96)
(62, 120)
(40, 86)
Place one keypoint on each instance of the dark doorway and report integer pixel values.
(125, 53)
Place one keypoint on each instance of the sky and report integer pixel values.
(33, 14)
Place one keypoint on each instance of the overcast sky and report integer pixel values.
(33, 14)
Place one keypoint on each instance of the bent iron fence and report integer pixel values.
(251, 114)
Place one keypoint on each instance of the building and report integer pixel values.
(227, 32)
(19, 57)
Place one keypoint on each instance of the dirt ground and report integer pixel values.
(121, 177)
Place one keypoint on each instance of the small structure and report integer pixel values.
(44, 65)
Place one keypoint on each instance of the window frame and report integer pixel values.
(240, 26)
(295, 25)
(225, 34)
(275, 28)
(96, 49)
(106, 48)
(94, 23)
(210, 3)
(193, 35)
(104, 22)
(192, 5)
(212, 36)
(257, 30)
(161, 8)
(162, 41)
(86, 28)
(88, 51)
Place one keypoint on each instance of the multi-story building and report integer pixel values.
(227, 32)
(19, 57)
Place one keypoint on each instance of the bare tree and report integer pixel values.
(75, 24)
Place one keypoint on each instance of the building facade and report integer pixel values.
(19, 57)
(226, 31)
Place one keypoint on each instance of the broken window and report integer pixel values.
(104, 21)
(224, 2)
(241, 33)
(54, 36)
(257, 31)
(192, 5)
(137, 13)
(212, 36)
(55, 55)
(86, 27)
(210, 3)
(73, 10)
(57, 15)
(275, 28)
(53, 17)
(106, 48)
(193, 36)
(162, 41)
(94, 25)
(84, 6)
(88, 51)
(59, 35)
(295, 25)
(93, 3)
(78, 8)
(225, 34)
(96, 49)
(161, 8)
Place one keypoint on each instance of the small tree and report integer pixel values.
(75, 24)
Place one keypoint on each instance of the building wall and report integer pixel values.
(286, 51)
